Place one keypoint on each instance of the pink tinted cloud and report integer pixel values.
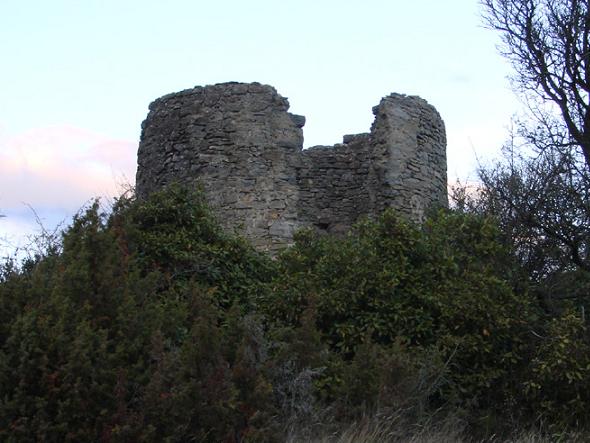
(62, 166)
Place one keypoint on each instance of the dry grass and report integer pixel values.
(393, 429)
(381, 429)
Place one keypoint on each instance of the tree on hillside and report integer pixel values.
(540, 190)
(543, 206)
(548, 44)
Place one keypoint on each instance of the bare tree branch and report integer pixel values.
(547, 42)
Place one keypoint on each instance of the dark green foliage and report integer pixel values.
(120, 336)
(178, 236)
(558, 384)
(151, 324)
(445, 286)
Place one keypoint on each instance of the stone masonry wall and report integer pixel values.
(241, 144)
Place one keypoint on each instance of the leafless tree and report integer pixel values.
(540, 190)
(548, 44)
(542, 204)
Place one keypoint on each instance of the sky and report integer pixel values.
(77, 76)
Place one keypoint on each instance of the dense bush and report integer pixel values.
(151, 324)
(123, 335)
(558, 382)
(444, 287)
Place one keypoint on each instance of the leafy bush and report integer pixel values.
(445, 286)
(558, 384)
(136, 301)
(151, 324)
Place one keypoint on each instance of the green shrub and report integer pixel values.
(152, 324)
(445, 285)
(136, 300)
(558, 384)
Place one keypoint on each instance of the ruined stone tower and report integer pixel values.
(241, 144)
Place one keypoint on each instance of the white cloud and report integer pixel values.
(62, 166)
(55, 170)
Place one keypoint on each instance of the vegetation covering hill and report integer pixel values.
(151, 324)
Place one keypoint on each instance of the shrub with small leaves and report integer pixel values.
(558, 385)
(444, 285)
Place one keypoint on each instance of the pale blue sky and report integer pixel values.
(76, 78)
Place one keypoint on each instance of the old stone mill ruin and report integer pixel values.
(246, 150)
